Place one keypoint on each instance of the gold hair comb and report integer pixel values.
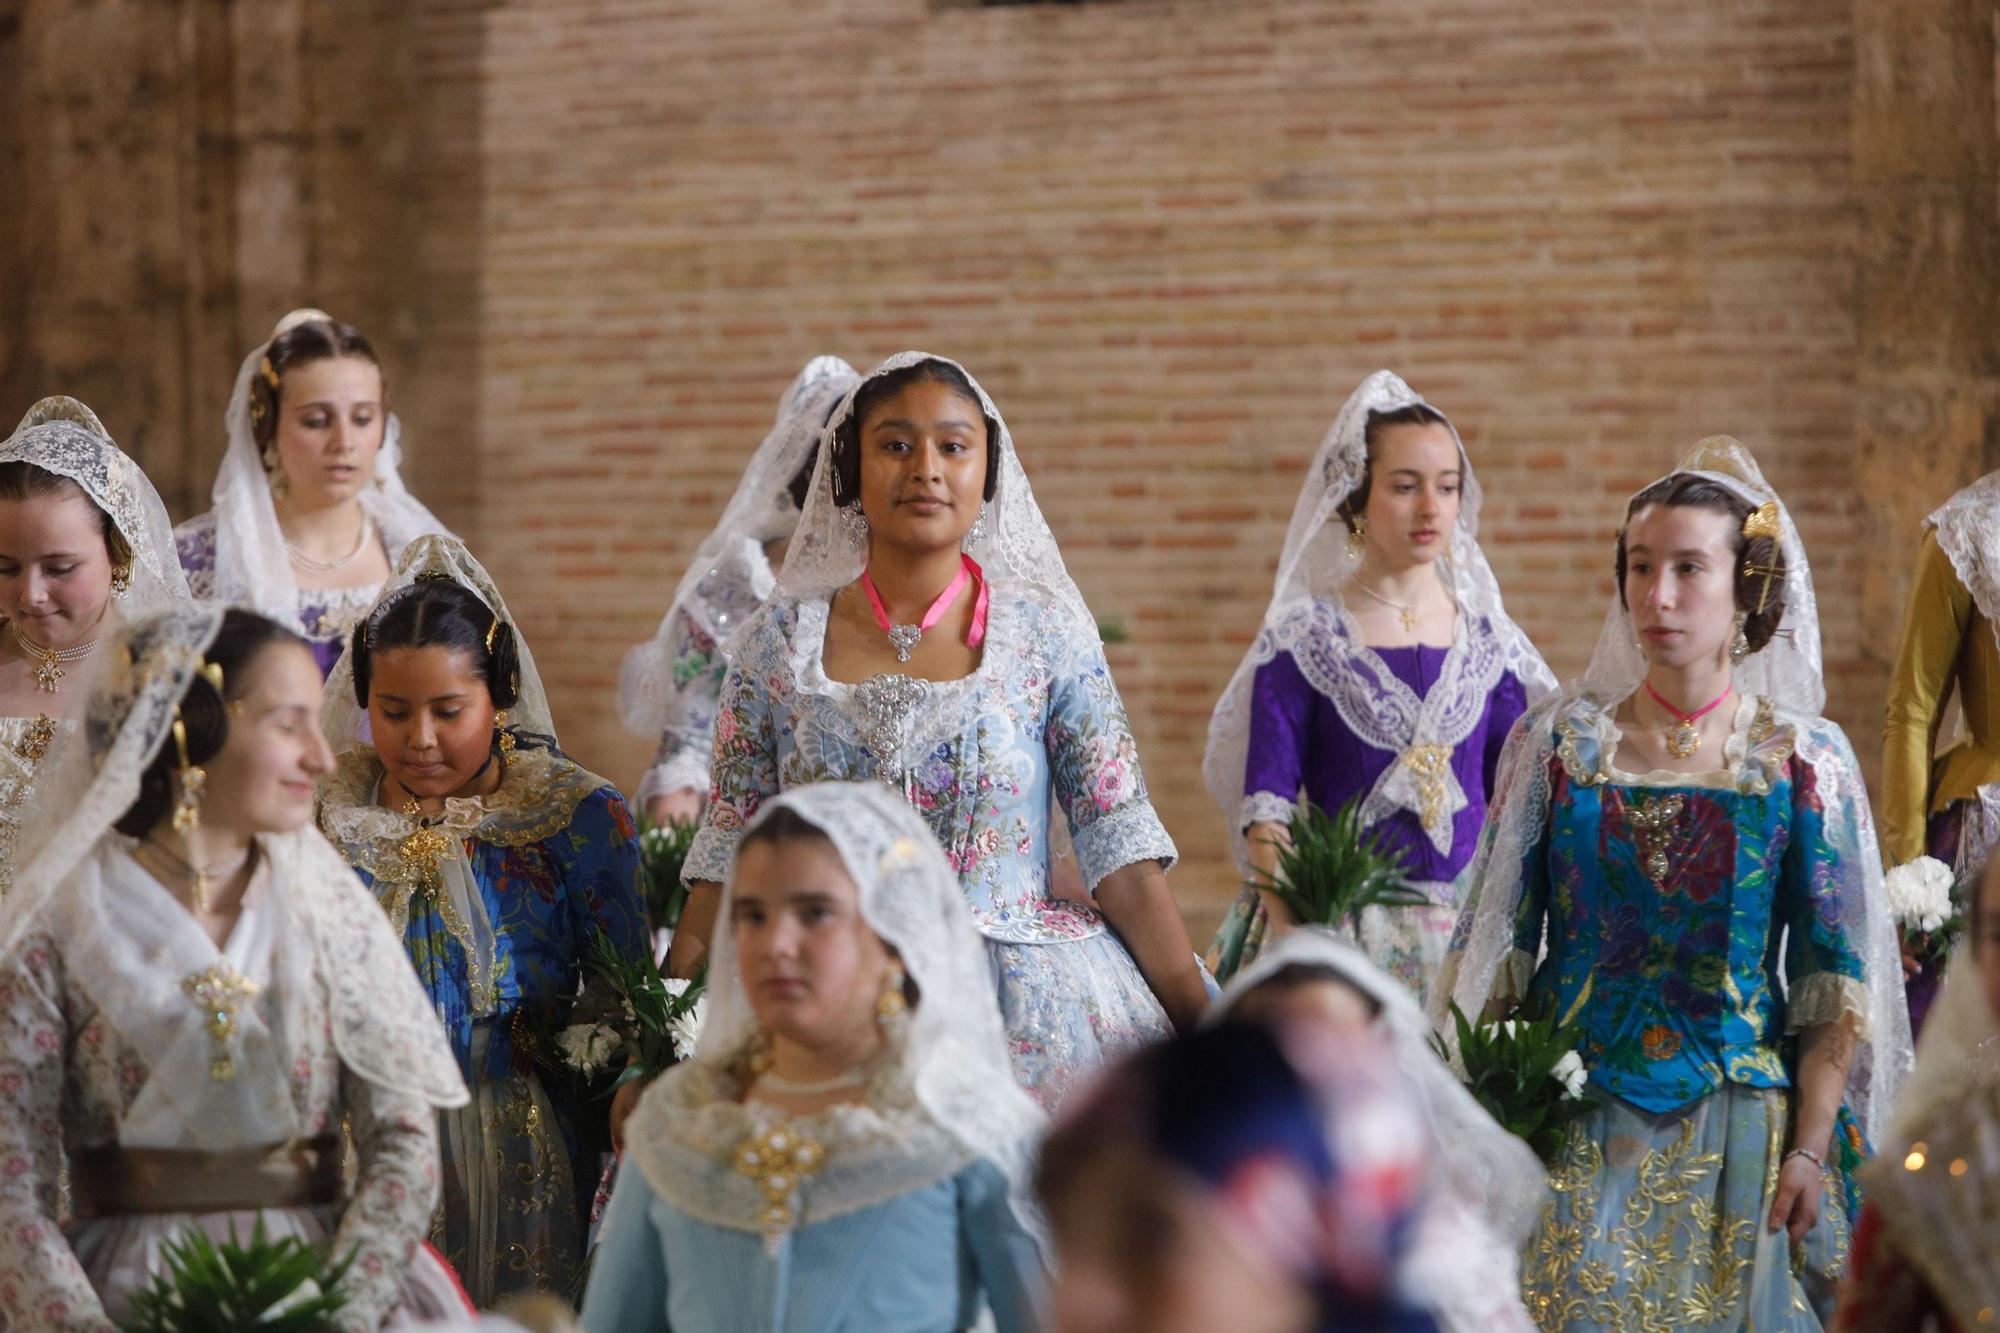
(1763, 521)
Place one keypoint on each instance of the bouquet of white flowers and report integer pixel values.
(630, 1017)
(1526, 1072)
(1920, 900)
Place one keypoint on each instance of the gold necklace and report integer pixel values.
(49, 673)
(198, 876)
(1408, 610)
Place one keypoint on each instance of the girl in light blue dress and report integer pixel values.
(847, 1149)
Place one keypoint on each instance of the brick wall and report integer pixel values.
(1170, 238)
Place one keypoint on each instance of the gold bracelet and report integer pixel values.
(1806, 1153)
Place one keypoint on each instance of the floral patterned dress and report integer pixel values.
(980, 757)
(1693, 924)
(101, 1045)
(731, 594)
(496, 902)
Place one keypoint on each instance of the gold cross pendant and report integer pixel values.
(49, 675)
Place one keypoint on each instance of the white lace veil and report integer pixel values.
(1317, 564)
(1786, 671)
(956, 1048)
(1492, 1172)
(434, 556)
(382, 1025)
(63, 437)
(761, 510)
(1015, 546)
(252, 566)
(1968, 532)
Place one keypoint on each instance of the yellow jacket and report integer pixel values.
(1946, 642)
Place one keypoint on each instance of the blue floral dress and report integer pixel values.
(982, 758)
(1693, 924)
(497, 901)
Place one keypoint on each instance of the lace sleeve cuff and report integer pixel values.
(1510, 987)
(680, 771)
(1265, 807)
(712, 851)
(1122, 838)
(1827, 997)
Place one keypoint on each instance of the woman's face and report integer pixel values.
(1414, 475)
(55, 570)
(1680, 584)
(330, 427)
(264, 777)
(812, 967)
(431, 717)
(923, 467)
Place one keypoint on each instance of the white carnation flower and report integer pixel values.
(1569, 1072)
(588, 1047)
(686, 1029)
(1920, 894)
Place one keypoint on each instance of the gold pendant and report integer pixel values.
(49, 675)
(1409, 620)
(1683, 739)
(221, 991)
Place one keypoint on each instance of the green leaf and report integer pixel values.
(663, 850)
(284, 1286)
(1335, 868)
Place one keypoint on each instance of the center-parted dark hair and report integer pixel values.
(314, 340)
(1416, 414)
(243, 637)
(1685, 490)
(847, 438)
(441, 613)
(22, 480)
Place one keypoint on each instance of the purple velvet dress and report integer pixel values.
(1330, 745)
(326, 615)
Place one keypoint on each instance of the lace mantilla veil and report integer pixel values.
(1015, 546)
(761, 510)
(382, 1024)
(62, 436)
(1316, 567)
(1968, 532)
(1494, 1173)
(434, 556)
(252, 566)
(954, 1051)
(1787, 672)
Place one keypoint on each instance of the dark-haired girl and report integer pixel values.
(197, 996)
(310, 511)
(668, 686)
(498, 860)
(1386, 671)
(1680, 854)
(926, 635)
(82, 534)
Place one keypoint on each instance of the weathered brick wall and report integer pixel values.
(1170, 238)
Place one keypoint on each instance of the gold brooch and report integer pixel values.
(221, 991)
(778, 1160)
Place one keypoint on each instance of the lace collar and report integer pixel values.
(1754, 755)
(537, 797)
(746, 1166)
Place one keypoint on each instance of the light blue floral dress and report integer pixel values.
(981, 758)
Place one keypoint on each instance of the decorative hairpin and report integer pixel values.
(1763, 522)
(492, 630)
(269, 372)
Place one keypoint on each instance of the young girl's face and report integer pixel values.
(923, 466)
(55, 570)
(1414, 473)
(1680, 583)
(331, 423)
(812, 966)
(431, 717)
(264, 777)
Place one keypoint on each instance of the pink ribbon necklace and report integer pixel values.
(1683, 738)
(907, 637)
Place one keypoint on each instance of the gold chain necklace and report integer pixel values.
(1408, 610)
(49, 673)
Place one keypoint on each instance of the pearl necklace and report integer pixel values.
(49, 673)
(312, 565)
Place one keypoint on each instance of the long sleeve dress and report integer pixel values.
(900, 1228)
(1705, 913)
(496, 902)
(104, 1045)
(979, 758)
(1415, 733)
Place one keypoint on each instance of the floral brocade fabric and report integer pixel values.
(1702, 911)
